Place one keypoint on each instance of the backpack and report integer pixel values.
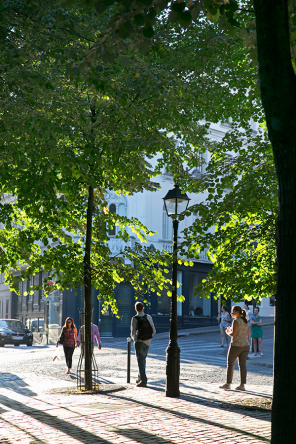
(144, 328)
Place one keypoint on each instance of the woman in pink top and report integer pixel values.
(239, 347)
(68, 338)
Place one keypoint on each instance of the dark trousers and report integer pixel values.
(68, 355)
(141, 353)
(241, 353)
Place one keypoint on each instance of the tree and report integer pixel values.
(58, 135)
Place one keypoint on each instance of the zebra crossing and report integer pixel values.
(193, 351)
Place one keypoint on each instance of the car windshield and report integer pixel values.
(11, 324)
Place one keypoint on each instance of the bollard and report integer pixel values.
(128, 379)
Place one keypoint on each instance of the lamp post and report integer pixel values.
(175, 202)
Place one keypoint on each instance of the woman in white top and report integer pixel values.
(248, 316)
(224, 322)
(239, 347)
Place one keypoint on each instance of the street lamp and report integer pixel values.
(175, 202)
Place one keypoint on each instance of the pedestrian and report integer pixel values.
(224, 322)
(248, 316)
(68, 339)
(257, 331)
(95, 336)
(239, 347)
(142, 330)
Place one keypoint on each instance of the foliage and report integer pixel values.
(136, 22)
(241, 203)
(63, 130)
(240, 185)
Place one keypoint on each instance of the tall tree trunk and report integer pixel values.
(278, 93)
(87, 292)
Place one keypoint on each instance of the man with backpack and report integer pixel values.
(142, 330)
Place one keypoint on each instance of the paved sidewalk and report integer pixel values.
(39, 411)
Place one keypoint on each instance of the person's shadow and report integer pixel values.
(10, 381)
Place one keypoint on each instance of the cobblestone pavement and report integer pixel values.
(31, 413)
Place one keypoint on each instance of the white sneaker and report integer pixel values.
(225, 386)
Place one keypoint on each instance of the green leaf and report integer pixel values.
(148, 33)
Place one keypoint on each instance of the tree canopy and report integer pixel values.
(241, 204)
(63, 130)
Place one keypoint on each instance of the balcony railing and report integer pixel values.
(118, 245)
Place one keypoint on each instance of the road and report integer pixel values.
(202, 360)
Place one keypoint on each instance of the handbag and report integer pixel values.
(61, 338)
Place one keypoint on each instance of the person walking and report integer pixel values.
(68, 339)
(248, 316)
(257, 331)
(142, 330)
(224, 322)
(239, 347)
(95, 336)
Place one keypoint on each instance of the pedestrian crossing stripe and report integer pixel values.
(185, 358)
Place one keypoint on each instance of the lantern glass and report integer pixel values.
(176, 202)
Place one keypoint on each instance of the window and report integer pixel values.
(164, 301)
(167, 232)
(112, 210)
(31, 283)
(272, 301)
(23, 289)
(53, 317)
(124, 297)
(119, 209)
(198, 306)
(6, 309)
(122, 210)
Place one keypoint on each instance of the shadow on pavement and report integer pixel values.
(36, 440)
(248, 392)
(71, 430)
(197, 419)
(68, 428)
(226, 406)
(15, 383)
(141, 436)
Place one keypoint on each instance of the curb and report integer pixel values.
(260, 364)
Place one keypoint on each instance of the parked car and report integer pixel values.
(13, 331)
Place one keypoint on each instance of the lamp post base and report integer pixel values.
(172, 370)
